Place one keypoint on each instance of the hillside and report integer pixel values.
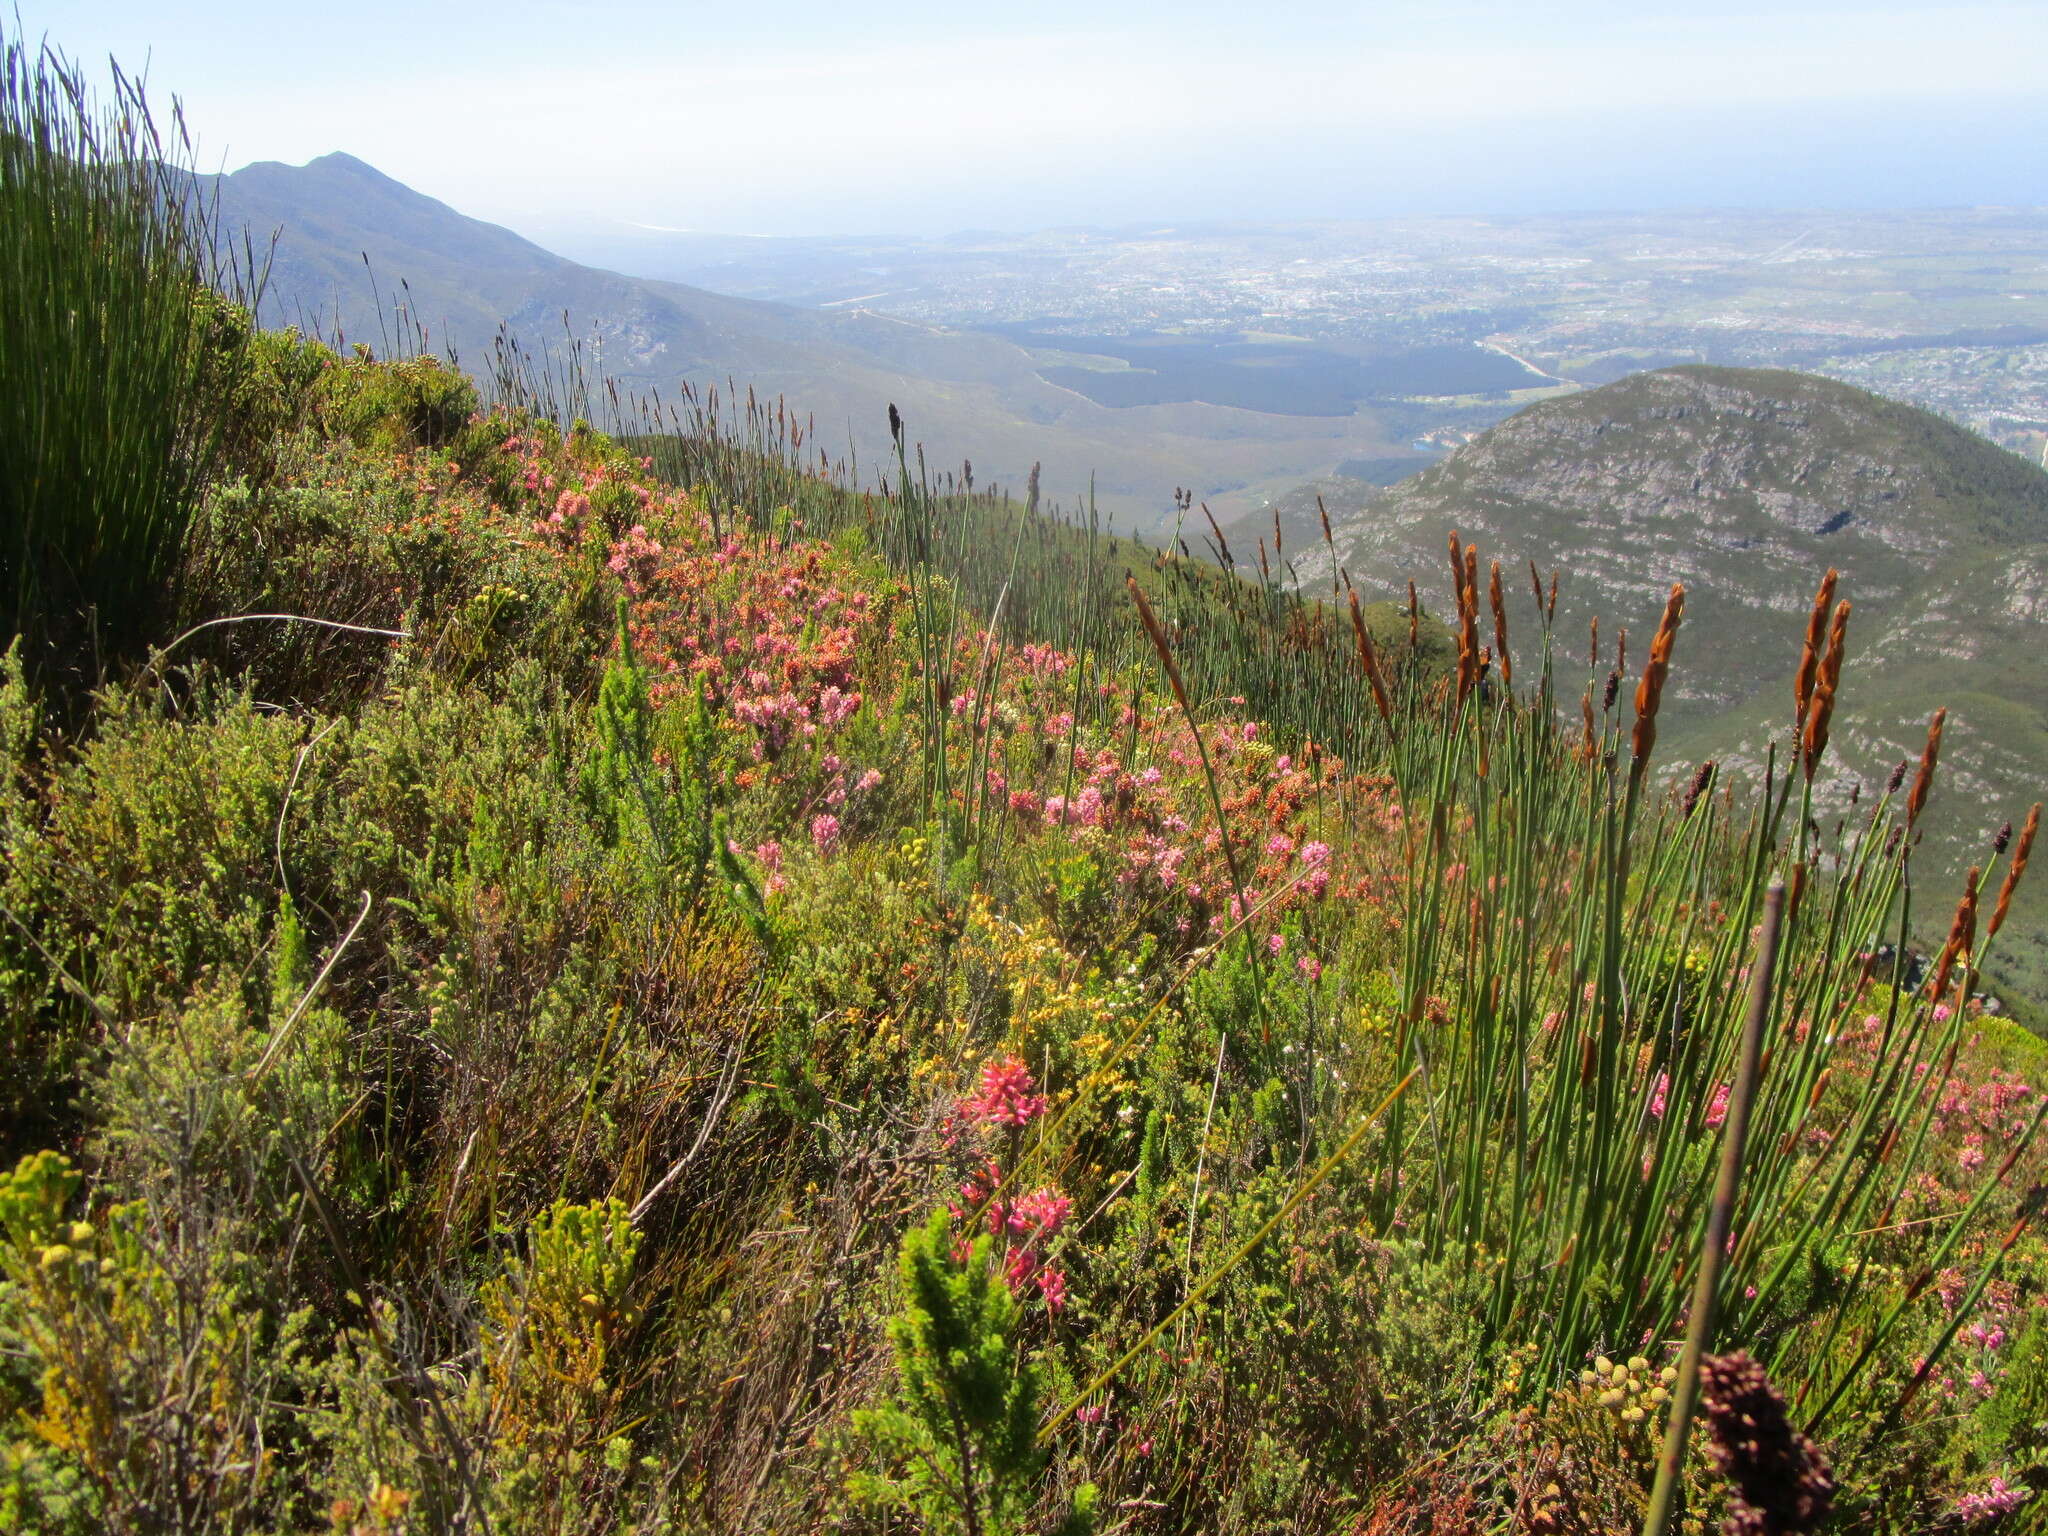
(967, 394)
(561, 984)
(1745, 484)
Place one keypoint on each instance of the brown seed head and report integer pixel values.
(1809, 657)
(1500, 626)
(1702, 777)
(1820, 707)
(2014, 870)
(1650, 689)
(1222, 544)
(1368, 659)
(1414, 618)
(1923, 781)
(1159, 644)
(1962, 935)
(1779, 1483)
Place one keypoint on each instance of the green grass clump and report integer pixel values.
(115, 362)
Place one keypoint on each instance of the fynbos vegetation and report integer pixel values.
(576, 981)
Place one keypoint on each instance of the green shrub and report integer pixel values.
(960, 1438)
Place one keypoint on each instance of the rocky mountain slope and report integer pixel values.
(1746, 485)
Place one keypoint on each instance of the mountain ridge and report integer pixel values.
(1746, 484)
(354, 245)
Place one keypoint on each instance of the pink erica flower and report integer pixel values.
(1717, 1108)
(1998, 1498)
(1007, 1096)
(825, 832)
(1052, 1285)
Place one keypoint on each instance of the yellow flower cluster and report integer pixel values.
(1631, 1390)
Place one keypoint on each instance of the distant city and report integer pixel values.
(1944, 308)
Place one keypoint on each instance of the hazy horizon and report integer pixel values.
(808, 122)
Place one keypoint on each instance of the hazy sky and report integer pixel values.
(909, 116)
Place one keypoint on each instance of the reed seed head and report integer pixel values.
(1650, 688)
(2014, 870)
(1819, 707)
(1702, 777)
(1810, 655)
(1923, 781)
(1962, 935)
(1370, 661)
(1500, 625)
(1780, 1482)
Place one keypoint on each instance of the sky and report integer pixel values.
(914, 117)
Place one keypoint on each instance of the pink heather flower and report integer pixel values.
(1310, 967)
(1275, 942)
(635, 559)
(1007, 1096)
(1658, 1097)
(1315, 855)
(1150, 776)
(770, 854)
(1052, 1284)
(1971, 1155)
(825, 832)
(868, 781)
(1998, 1498)
(1985, 1335)
(1090, 1414)
(1942, 1013)
(835, 705)
(1249, 731)
(1058, 726)
(1717, 1108)
(1282, 764)
(1043, 1211)
(1949, 1286)
(1280, 845)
